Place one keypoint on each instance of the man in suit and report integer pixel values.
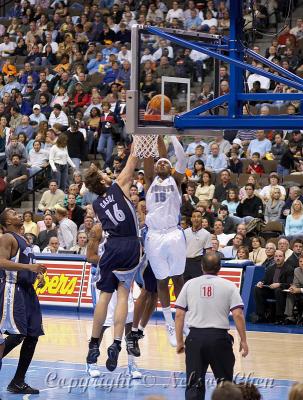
(277, 278)
(296, 293)
(297, 249)
(270, 250)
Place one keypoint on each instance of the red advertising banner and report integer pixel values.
(68, 283)
(63, 283)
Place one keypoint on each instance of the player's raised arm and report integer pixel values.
(125, 179)
(181, 162)
(6, 249)
(95, 237)
(149, 165)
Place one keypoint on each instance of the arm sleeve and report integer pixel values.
(287, 226)
(180, 155)
(235, 299)
(51, 159)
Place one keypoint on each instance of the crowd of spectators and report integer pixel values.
(65, 68)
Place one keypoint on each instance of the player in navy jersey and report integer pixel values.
(20, 314)
(121, 254)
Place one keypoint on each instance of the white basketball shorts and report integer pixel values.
(166, 252)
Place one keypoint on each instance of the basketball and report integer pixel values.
(155, 103)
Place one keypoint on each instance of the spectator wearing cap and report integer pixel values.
(25, 127)
(11, 84)
(109, 49)
(58, 116)
(274, 181)
(37, 116)
(259, 145)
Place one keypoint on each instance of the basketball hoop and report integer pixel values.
(146, 146)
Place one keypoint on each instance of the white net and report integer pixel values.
(146, 146)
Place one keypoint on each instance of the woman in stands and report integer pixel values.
(29, 225)
(59, 160)
(294, 221)
(232, 201)
(251, 179)
(205, 189)
(274, 180)
(198, 172)
(258, 254)
(242, 253)
(274, 206)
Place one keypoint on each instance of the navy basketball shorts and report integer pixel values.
(20, 312)
(145, 277)
(119, 263)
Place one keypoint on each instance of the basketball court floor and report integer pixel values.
(58, 369)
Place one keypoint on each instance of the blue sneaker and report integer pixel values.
(113, 354)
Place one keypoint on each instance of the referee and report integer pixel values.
(198, 241)
(208, 300)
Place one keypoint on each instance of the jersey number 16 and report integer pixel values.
(118, 216)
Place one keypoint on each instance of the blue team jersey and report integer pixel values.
(24, 256)
(116, 213)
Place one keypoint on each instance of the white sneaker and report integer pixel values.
(93, 370)
(171, 333)
(134, 372)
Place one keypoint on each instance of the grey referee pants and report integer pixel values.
(204, 347)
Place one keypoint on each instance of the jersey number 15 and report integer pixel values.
(118, 216)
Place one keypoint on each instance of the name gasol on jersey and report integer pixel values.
(108, 199)
(162, 189)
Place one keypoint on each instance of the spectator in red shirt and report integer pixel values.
(255, 167)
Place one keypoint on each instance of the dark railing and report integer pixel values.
(4, 6)
(38, 184)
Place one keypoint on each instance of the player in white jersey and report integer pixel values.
(95, 250)
(165, 242)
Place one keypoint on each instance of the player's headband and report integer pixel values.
(164, 159)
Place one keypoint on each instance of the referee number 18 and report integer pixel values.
(207, 291)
